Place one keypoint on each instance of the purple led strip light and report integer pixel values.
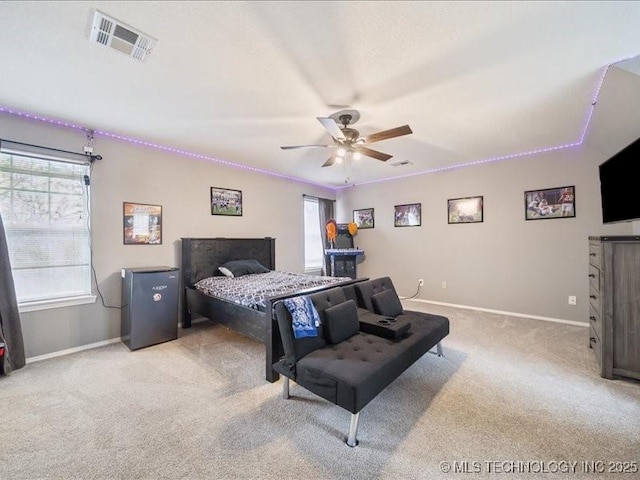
(52, 121)
(466, 164)
(62, 123)
(205, 157)
(596, 95)
(592, 107)
(295, 179)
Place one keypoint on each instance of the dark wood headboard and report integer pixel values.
(201, 257)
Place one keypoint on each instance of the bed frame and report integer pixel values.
(201, 258)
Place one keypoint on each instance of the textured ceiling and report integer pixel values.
(236, 80)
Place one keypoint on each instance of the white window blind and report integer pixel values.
(44, 206)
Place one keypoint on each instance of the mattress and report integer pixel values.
(254, 290)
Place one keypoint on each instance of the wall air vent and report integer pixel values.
(119, 36)
(401, 163)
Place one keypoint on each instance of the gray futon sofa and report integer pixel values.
(365, 341)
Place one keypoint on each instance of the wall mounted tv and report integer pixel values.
(619, 186)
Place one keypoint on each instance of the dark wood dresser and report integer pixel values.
(614, 304)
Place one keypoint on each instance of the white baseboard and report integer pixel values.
(67, 351)
(89, 346)
(500, 312)
(202, 319)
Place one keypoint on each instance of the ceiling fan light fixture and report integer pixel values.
(350, 146)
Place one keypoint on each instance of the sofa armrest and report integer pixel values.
(386, 327)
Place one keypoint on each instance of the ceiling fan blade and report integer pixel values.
(291, 147)
(332, 127)
(373, 154)
(331, 161)
(386, 134)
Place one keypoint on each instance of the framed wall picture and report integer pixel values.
(225, 201)
(408, 215)
(558, 202)
(142, 224)
(364, 218)
(465, 210)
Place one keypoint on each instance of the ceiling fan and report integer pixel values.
(347, 139)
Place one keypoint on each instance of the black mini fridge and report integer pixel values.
(150, 306)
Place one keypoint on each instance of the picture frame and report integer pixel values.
(407, 215)
(226, 201)
(465, 210)
(548, 203)
(142, 224)
(364, 218)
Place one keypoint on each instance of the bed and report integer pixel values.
(201, 258)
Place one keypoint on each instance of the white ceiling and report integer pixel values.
(236, 80)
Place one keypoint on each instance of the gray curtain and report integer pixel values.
(10, 327)
(325, 208)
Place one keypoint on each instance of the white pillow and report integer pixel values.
(226, 272)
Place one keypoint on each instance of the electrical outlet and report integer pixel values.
(572, 300)
(444, 284)
(421, 282)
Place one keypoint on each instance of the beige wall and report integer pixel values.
(272, 207)
(504, 263)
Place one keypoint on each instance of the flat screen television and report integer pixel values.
(619, 185)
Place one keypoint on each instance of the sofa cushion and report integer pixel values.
(350, 293)
(352, 372)
(341, 322)
(366, 290)
(327, 298)
(387, 303)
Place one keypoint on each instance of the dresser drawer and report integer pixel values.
(596, 345)
(595, 320)
(594, 278)
(595, 301)
(594, 254)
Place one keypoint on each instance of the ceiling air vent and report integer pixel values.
(402, 163)
(115, 34)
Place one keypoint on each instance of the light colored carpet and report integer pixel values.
(510, 394)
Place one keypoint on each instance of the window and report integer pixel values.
(317, 212)
(313, 247)
(44, 206)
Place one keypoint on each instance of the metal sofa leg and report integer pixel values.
(438, 351)
(285, 387)
(352, 441)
